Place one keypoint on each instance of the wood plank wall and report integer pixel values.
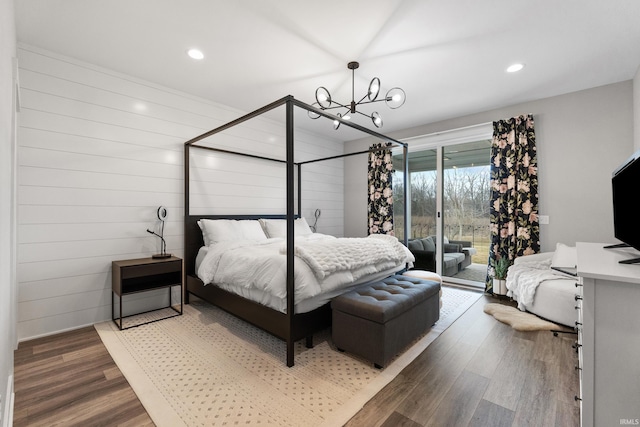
(98, 153)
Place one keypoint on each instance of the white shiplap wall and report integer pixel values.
(98, 153)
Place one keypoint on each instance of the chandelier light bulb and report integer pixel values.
(395, 98)
(313, 114)
(336, 123)
(376, 119)
(374, 89)
(323, 97)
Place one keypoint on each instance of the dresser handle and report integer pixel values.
(578, 297)
(578, 323)
(578, 284)
(577, 307)
(576, 398)
(576, 346)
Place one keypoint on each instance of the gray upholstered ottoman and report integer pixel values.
(378, 320)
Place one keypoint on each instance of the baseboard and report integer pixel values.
(7, 412)
(48, 334)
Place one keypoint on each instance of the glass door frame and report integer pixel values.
(438, 141)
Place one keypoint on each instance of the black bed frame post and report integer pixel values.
(185, 296)
(299, 189)
(407, 205)
(290, 233)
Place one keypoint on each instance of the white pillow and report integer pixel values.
(205, 237)
(251, 230)
(278, 227)
(225, 230)
(564, 256)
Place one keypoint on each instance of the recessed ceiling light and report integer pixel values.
(195, 53)
(515, 67)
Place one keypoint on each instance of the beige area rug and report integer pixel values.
(208, 368)
(519, 320)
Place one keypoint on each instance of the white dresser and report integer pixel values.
(608, 336)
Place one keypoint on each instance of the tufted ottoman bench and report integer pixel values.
(378, 320)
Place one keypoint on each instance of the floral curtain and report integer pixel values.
(514, 192)
(380, 206)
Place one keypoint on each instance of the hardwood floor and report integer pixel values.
(479, 372)
(71, 380)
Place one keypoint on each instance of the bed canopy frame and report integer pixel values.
(288, 326)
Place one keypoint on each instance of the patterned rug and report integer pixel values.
(208, 368)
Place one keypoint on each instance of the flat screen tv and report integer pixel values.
(625, 183)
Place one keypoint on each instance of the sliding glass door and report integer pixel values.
(449, 190)
(465, 210)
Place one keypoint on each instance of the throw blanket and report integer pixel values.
(328, 256)
(524, 278)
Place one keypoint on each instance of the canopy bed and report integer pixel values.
(294, 310)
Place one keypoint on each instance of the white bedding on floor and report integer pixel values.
(257, 270)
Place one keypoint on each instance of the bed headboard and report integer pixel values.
(193, 235)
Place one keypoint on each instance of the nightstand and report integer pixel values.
(141, 275)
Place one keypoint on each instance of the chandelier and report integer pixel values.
(394, 98)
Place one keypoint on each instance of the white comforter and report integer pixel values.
(322, 263)
(523, 280)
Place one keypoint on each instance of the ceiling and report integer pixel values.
(449, 56)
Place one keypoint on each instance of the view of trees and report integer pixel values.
(466, 203)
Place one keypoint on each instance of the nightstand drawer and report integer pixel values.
(132, 271)
(136, 275)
